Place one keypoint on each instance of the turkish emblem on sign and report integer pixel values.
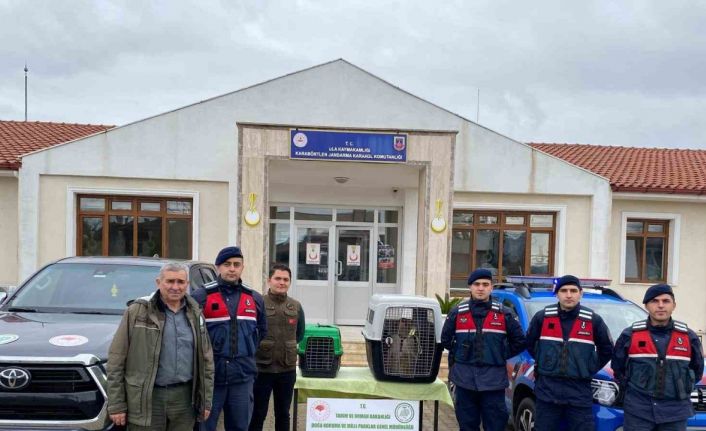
(353, 255)
(399, 143)
(313, 253)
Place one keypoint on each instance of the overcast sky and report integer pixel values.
(629, 73)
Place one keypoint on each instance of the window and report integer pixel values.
(506, 243)
(134, 226)
(646, 243)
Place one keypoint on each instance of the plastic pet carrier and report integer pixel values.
(403, 338)
(320, 351)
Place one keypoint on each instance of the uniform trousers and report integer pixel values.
(548, 416)
(236, 401)
(474, 407)
(281, 386)
(172, 410)
(636, 423)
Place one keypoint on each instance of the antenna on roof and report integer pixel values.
(26, 70)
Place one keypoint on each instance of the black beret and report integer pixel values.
(656, 290)
(479, 274)
(567, 279)
(228, 253)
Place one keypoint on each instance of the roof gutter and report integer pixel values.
(661, 197)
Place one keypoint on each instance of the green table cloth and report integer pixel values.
(358, 382)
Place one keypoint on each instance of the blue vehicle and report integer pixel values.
(525, 296)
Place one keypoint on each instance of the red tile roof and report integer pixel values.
(631, 169)
(19, 137)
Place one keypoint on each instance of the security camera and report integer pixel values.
(395, 190)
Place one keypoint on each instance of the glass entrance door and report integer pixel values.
(313, 281)
(353, 270)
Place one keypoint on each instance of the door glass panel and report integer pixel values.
(461, 252)
(92, 204)
(353, 253)
(539, 253)
(120, 235)
(312, 254)
(178, 235)
(367, 216)
(149, 236)
(279, 213)
(487, 250)
(279, 243)
(387, 255)
(633, 257)
(301, 213)
(92, 237)
(388, 216)
(654, 253)
(514, 251)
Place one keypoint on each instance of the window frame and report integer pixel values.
(135, 212)
(501, 226)
(644, 235)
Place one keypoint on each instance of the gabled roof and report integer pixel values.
(632, 169)
(20, 137)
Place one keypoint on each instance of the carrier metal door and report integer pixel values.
(313, 271)
(353, 275)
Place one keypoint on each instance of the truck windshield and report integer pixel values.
(617, 315)
(85, 287)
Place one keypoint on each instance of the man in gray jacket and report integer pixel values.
(160, 365)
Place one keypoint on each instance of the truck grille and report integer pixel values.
(55, 392)
(55, 379)
(698, 399)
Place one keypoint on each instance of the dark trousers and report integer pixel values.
(282, 386)
(236, 401)
(548, 416)
(636, 423)
(472, 406)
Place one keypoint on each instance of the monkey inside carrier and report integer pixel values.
(320, 351)
(403, 338)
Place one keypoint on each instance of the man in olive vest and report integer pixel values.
(656, 362)
(569, 343)
(277, 355)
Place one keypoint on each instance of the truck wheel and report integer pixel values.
(524, 418)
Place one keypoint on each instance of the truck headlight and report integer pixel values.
(604, 391)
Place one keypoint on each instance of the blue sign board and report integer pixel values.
(349, 146)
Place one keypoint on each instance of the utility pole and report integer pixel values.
(26, 70)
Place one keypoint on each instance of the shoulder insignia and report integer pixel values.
(680, 326)
(551, 310)
(211, 285)
(496, 306)
(640, 324)
(585, 313)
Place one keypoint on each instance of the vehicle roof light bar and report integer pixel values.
(529, 279)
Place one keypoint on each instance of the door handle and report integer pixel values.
(339, 268)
